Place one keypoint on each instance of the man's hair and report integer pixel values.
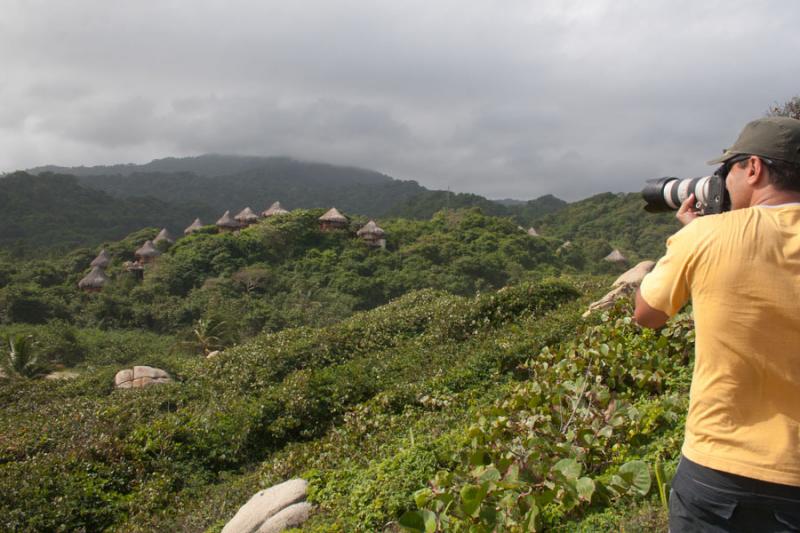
(782, 174)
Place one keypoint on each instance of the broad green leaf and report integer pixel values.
(422, 496)
(585, 488)
(471, 498)
(491, 474)
(637, 474)
(430, 521)
(530, 521)
(413, 521)
(479, 457)
(569, 467)
(586, 436)
(544, 498)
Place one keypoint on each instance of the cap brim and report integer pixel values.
(725, 156)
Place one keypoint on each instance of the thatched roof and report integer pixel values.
(194, 226)
(164, 235)
(227, 222)
(94, 279)
(147, 250)
(102, 260)
(246, 216)
(615, 257)
(532, 232)
(275, 209)
(333, 215)
(370, 228)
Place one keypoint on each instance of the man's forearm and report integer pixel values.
(647, 316)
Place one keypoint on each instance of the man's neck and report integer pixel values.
(771, 196)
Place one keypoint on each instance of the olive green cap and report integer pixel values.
(771, 137)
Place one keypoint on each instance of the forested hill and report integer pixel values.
(233, 182)
(618, 219)
(205, 187)
(55, 212)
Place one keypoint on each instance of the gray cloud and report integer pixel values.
(502, 99)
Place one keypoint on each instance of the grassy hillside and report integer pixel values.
(432, 393)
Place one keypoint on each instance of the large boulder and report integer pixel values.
(635, 275)
(140, 376)
(272, 510)
(292, 516)
(623, 287)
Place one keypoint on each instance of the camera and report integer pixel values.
(667, 194)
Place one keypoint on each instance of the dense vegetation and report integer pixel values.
(284, 272)
(615, 219)
(431, 387)
(55, 213)
(446, 382)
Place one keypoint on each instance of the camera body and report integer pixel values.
(667, 194)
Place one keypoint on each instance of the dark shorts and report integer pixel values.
(707, 500)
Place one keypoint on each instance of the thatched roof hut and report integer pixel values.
(372, 234)
(94, 280)
(194, 226)
(147, 253)
(246, 216)
(333, 219)
(532, 232)
(275, 209)
(227, 223)
(615, 257)
(102, 260)
(370, 228)
(163, 236)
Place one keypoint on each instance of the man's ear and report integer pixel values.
(756, 172)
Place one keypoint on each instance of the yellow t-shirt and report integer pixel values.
(742, 272)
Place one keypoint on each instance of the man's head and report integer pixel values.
(766, 154)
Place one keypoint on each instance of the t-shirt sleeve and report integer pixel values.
(667, 286)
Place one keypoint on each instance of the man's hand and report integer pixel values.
(687, 211)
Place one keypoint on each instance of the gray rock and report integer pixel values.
(291, 516)
(124, 379)
(149, 372)
(624, 287)
(634, 275)
(265, 504)
(140, 376)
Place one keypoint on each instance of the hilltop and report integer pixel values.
(55, 212)
(211, 184)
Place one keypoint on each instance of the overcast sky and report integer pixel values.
(502, 98)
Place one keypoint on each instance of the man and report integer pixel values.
(740, 465)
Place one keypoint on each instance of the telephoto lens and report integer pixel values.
(667, 194)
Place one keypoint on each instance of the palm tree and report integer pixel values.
(18, 357)
(208, 334)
